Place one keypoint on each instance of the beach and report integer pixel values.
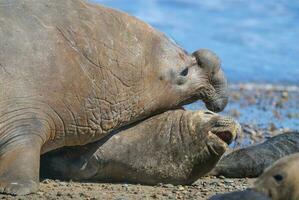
(202, 189)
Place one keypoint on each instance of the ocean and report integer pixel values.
(257, 40)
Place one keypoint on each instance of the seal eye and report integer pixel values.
(184, 72)
(278, 178)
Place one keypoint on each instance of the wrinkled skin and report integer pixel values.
(253, 160)
(72, 73)
(174, 147)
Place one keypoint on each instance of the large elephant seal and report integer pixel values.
(280, 181)
(174, 147)
(72, 73)
(253, 160)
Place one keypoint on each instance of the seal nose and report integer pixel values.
(210, 64)
(218, 105)
(207, 60)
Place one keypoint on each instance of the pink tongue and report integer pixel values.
(225, 136)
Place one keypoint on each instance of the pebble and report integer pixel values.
(222, 177)
(121, 198)
(58, 194)
(62, 183)
(168, 186)
(46, 181)
(165, 194)
(181, 188)
(204, 190)
(228, 181)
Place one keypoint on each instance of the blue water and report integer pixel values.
(257, 40)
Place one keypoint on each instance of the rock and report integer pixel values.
(180, 188)
(46, 181)
(168, 185)
(59, 194)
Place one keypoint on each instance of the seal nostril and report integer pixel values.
(199, 63)
(278, 177)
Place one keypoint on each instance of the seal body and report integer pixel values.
(253, 160)
(248, 194)
(281, 180)
(175, 147)
(72, 73)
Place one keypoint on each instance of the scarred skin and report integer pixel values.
(72, 73)
(174, 147)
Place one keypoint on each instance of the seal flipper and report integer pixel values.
(20, 157)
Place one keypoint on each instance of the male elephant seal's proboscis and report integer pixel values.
(174, 147)
(71, 73)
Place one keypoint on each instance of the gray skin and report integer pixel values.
(253, 160)
(72, 73)
(248, 194)
(175, 147)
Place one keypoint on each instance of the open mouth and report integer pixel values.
(225, 136)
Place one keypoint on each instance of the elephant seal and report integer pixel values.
(280, 181)
(251, 161)
(174, 147)
(72, 73)
(248, 194)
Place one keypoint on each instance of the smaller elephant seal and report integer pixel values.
(174, 147)
(251, 161)
(248, 194)
(279, 182)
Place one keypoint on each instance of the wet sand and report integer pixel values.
(263, 110)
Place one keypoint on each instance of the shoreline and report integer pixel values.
(265, 86)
